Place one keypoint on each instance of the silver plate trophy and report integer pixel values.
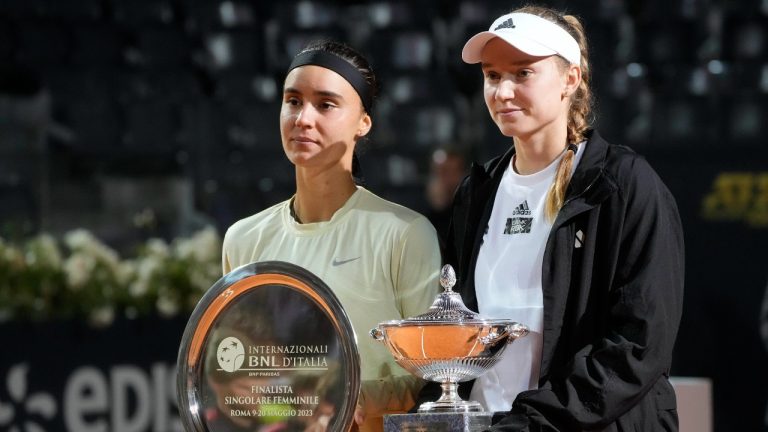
(448, 344)
(268, 348)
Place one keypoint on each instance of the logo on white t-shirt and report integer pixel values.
(522, 209)
(519, 225)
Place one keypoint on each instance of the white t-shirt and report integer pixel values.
(381, 260)
(508, 280)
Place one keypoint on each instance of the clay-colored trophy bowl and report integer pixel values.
(448, 344)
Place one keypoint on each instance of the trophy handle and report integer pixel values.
(512, 332)
(516, 330)
(491, 338)
(377, 334)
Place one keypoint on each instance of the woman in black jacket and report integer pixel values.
(575, 237)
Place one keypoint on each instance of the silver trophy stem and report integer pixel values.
(450, 401)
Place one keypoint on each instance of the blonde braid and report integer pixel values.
(556, 194)
(579, 112)
(581, 101)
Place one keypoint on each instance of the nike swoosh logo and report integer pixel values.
(337, 262)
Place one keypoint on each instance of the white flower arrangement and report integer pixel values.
(86, 278)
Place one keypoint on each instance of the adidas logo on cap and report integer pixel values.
(529, 33)
(506, 24)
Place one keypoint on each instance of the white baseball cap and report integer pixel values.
(529, 33)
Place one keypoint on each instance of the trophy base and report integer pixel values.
(450, 406)
(437, 422)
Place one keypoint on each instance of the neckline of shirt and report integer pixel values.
(317, 227)
(545, 173)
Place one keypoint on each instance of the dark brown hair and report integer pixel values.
(352, 56)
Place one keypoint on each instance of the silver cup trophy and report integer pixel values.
(448, 344)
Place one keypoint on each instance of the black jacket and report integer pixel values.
(612, 306)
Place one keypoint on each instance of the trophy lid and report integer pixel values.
(448, 306)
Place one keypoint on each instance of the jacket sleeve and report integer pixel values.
(609, 376)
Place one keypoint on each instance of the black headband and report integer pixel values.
(341, 67)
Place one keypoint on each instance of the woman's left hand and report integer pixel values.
(359, 419)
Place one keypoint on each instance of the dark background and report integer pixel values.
(111, 109)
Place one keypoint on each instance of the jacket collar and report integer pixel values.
(585, 189)
(591, 166)
(590, 183)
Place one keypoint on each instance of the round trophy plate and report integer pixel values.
(268, 348)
